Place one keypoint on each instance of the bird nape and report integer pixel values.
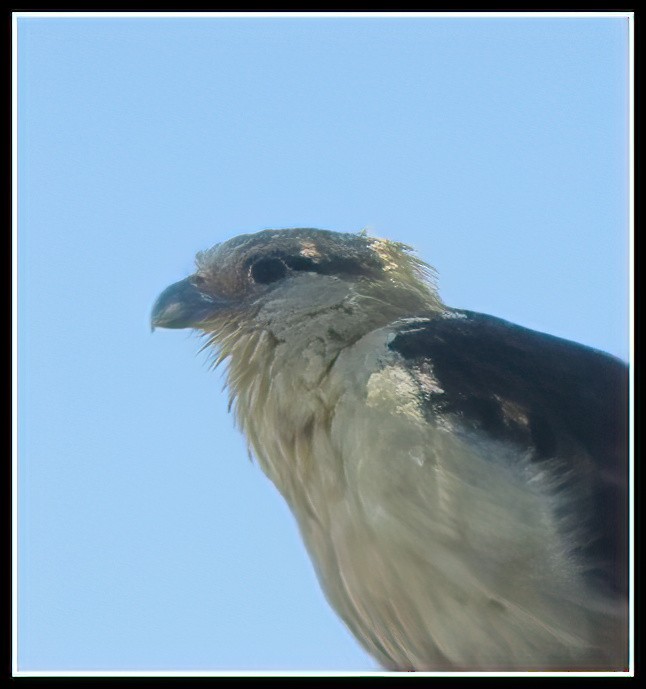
(460, 482)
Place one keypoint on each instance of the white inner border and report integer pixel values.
(14, 323)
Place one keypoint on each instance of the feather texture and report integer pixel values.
(460, 482)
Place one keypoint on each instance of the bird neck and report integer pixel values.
(280, 381)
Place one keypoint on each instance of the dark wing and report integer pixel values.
(559, 399)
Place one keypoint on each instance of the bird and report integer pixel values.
(460, 482)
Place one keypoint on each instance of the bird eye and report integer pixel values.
(300, 263)
(268, 270)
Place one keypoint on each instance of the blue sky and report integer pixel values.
(497, 147)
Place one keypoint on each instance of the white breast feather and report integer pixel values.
(424, 541)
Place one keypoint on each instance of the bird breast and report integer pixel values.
(436, 548)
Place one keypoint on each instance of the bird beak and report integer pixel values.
(182, 305)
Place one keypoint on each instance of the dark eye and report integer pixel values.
(268, 270)
(300, 263)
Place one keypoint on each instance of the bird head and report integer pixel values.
(276, 279)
